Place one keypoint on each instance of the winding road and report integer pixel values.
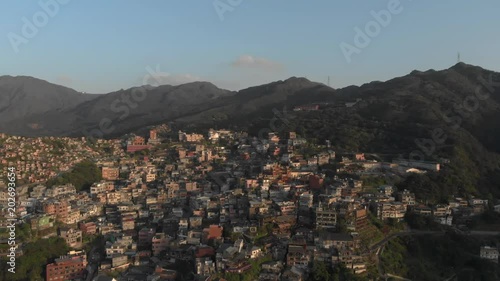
(378, 248)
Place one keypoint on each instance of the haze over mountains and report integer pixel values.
(449, 114)
(23, 96)
(33, 107)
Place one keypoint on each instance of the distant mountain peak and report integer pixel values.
(199, 84)
(20, 79)
(33, 84)
(297, 79)
(465, 66)
(26, 100)
(460, 64)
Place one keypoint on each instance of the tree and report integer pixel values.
(82, 176)
(342, 225)
(31, 265)
(321, 271)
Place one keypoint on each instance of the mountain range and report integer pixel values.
(444, 99)
(450, 114)
(401, 109)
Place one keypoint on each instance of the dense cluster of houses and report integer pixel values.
(38, 159)
(223, 209)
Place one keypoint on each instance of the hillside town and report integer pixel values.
(38, 159)
(218, 205)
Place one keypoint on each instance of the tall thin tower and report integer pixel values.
(458, 57)
(328, 81)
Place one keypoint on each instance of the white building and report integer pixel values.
(489, 253)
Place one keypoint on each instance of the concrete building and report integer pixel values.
(489, 253)
(326, 217)
(73, 237)
(110, 173)
(69, 267)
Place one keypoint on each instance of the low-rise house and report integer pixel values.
(73, 237)
(297, 255)
(391, 210)
(205, 266)
(445, 220)
(497, 208)
(489, 253)
(118, 260)
(386, 189)
(441, 210)
(422, 210)
(350, 260)
(406, 197)
(254, 252)
(330, 240)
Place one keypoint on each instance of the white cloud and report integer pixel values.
(251, 62)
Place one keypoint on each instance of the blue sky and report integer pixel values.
(101, 46)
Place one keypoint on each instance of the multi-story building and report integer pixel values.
(101, 187)
(145, 237)
(73, 237)
(136, 144)
(326, 217)
(391, 210)
(127, 223)
(153, 137)
(115, 249)
(153, 134)
(190, 137)
(305, 201)
(287, 207)
(58, 208)
(118, 260)
(350, 260)
(297, 255)
(159, 243)
(60, 190)
(204, 266)
(69, 267)
(406, 197)
(422, 210)
(386, 189)
(361, 219)
(110, 173)
(73, 217)
(88, 228)
(328, 240)
(489, 253)
(150, 176)
(441, 210)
